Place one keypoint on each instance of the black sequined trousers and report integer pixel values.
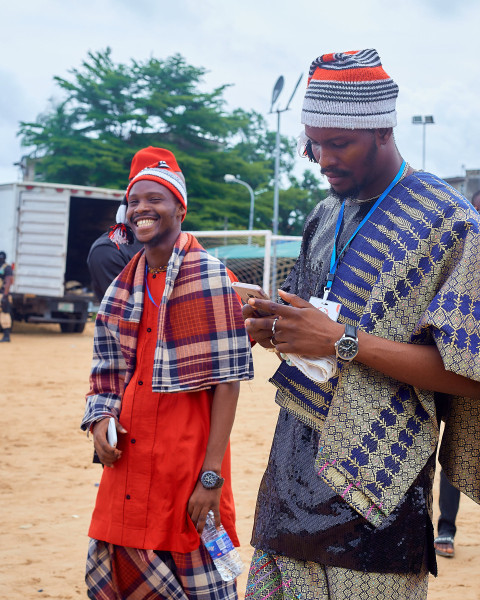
(301, 517)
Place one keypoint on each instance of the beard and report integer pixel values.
(351, 193)
(354, 192)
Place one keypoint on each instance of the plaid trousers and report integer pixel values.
(119, 573)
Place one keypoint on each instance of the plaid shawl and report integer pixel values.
(202, 339)
(412, 274)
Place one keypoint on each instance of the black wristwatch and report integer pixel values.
(347, 346)
(210, 480)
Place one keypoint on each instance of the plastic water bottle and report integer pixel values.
(224, 555)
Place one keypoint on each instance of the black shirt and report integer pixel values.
(105, 261)
(5, 271)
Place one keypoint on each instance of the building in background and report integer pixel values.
(467, 184)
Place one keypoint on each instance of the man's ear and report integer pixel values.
(181, 210)
(384, 135)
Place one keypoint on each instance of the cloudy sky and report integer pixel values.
(429, 47)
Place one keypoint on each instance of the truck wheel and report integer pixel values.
(72, 327)
(79, 327)
(67, 327)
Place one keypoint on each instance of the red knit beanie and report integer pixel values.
(148, 156)
(162, 172)
(154, 164)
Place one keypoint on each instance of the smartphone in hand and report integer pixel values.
(251, 290)
(112, 433)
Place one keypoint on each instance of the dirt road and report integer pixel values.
(48, 482)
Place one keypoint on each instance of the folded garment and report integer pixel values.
(319, 369)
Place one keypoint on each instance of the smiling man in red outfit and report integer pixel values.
(170, 351)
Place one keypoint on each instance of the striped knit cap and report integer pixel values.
(163, 173)
(155, 164)
(349, 90)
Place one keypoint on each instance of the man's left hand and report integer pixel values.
(200, 502)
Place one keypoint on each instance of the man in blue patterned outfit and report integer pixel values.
(378, 329)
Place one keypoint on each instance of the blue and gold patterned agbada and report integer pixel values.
(412, 274)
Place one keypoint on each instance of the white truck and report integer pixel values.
(46, 230)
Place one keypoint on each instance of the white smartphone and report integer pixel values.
(112, 433)
(250, 290)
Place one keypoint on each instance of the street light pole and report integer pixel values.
(277, 177)
(232, 179)
(423, 120)
(275, 94)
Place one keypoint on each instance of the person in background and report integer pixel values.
(170, 350)
(448, 502)
(6, 280)
(380, 312)
(476, 200)
(105, 261)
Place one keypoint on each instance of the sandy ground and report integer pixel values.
(48, 483)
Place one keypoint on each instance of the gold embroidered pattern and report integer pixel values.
(413, 275)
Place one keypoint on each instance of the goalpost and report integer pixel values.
(255, 256)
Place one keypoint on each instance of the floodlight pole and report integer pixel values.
(423, 120)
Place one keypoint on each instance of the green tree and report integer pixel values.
(109, 111)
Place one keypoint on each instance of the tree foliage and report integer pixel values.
(109, 111)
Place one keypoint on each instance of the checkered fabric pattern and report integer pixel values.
(202, 338)
(119, 573)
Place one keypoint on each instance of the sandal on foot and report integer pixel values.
(444, 540)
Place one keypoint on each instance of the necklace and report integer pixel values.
(357, 201)
(156, 270)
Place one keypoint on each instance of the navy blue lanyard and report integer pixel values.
(334, 260)
(146, 285)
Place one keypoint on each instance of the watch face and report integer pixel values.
(347, 348)
(209, 479)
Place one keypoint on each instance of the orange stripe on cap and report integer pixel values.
(349, 90)
(366, 74)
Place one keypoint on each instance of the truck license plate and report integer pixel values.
(68, 307)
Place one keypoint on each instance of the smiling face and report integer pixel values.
(154, 213)
(348, 158)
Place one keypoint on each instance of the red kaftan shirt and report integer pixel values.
(142, 500)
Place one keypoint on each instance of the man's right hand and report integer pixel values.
(258, 328)
(106, 453)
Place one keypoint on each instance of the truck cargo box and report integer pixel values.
(46, 230)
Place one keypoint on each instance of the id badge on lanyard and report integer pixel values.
(327, 306)
(330, 308)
